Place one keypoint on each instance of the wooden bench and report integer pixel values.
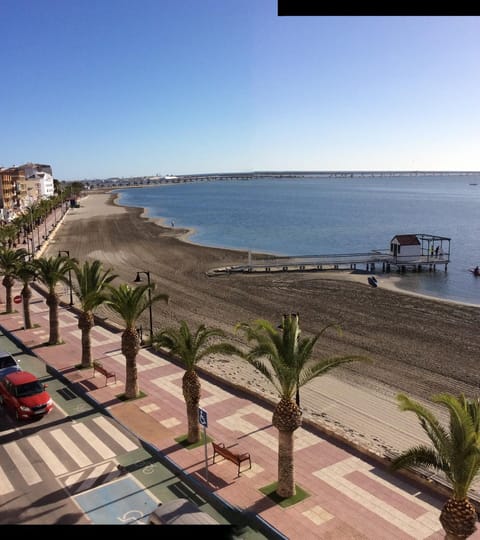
(98, 366)
(220, 450)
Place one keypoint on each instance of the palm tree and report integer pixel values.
(26, 273)
(8, 235)
(91, 290)
(10, 261)
(130, 303)
(190, 348)
(455, 452)
(286, 361)
(51, 271)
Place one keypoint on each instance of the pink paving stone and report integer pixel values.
(321, 454)
(399, 501)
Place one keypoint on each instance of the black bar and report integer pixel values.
(308, 8)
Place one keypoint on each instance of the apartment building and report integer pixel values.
(22, 186)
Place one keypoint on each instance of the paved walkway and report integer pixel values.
(351, 495)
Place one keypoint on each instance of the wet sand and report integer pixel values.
(418, 345)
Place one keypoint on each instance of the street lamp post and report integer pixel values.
(67, 252)
(138, 279)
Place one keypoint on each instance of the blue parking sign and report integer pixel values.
(202, 417)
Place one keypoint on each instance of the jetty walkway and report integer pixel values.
(373, 261)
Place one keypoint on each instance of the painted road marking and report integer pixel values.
(5, 486)
(71, 448)
(22, 463)
(129, 500)
(93, 476)
(116, 435)
(85, 479)
(50, 459)
(94, 441)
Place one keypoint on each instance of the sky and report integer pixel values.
(121, 88)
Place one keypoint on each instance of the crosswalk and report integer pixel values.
(81, 455)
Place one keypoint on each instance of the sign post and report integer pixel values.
(203, 421)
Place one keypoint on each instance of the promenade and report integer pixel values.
(350, 495)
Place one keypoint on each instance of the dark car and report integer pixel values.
(22, 394)
(8, 364)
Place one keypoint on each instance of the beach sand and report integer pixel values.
(417, 345)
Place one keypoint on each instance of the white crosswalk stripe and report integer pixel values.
(49, 457)
(5, 485)
(84, 449)
(75, 453)
(90, 438)
(26, 469)
(117, 435)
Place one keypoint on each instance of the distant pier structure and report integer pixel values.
(407, 253)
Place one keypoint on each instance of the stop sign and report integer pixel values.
(17, 299)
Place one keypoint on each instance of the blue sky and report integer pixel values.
(101, 88)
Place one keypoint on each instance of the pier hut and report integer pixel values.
(415, 251)
(405, 246)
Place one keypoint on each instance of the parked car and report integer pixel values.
(24, 395)
(8, 364)
(180, 512)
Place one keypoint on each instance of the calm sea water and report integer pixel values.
(316, 216)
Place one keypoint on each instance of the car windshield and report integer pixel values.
(7, 361)
(28, 389)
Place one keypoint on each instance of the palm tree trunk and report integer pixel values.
(52, 303)
(193, 425)
(286, 469)
(8, 298)
(26, 295)
(131, 383)
(130, 348)
(191, 393)
(85, 323)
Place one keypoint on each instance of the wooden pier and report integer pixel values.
(427, 257)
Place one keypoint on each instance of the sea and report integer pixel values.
(331, 215)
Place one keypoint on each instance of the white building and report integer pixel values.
(43, 178)
(406, 246)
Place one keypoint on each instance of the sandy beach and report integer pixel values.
(417, 345)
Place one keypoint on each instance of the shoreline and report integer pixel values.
(418, 345)
(390, 282)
